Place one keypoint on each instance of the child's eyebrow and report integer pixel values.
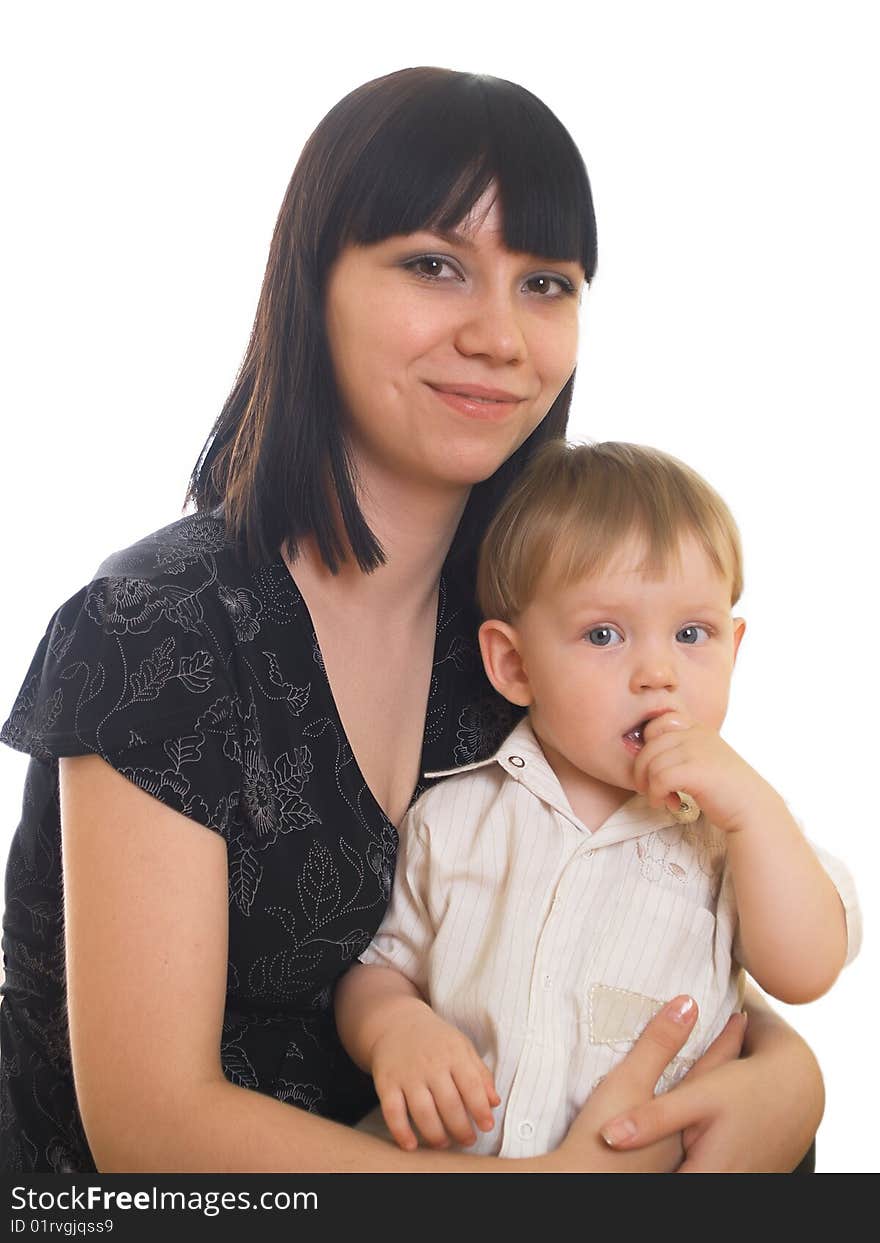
(596, 608)
(611, 605)
(707, 610)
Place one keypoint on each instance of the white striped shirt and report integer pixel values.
(551, 946)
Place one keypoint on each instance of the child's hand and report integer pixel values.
(681, 754)
(427, 1070)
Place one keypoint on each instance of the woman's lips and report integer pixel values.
(477, 403)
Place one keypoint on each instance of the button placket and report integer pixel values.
(522, 1131)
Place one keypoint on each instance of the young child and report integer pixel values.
(547, 901)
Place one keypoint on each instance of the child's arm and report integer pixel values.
(422, 1067)
(793, 929)
(792, 923)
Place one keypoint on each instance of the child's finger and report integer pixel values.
(396, 1119)
(489, 1081)
(666, 774)
(423, 1111)
(665, 724)
(474, 1091)
(649, 755)
(453, 1110)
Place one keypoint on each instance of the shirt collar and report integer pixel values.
(521, 757)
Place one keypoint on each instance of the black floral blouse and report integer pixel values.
(201, 681)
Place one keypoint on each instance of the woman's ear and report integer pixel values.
(499, 645)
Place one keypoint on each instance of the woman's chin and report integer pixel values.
(469, 465)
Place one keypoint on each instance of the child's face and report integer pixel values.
(602, 655)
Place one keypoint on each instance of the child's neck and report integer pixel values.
(591, 800)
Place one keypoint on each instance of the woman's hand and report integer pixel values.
(754, 1114)
(629, 1086)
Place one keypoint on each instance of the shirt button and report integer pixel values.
(525, 1130)
(548, 981)
(516, 760)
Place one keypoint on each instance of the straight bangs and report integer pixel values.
(576, 506)
(453, 135)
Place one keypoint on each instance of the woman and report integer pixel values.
(229, 721)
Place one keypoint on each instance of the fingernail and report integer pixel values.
(619, 1132)
(681, 1009)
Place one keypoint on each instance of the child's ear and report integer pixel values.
(499, 645)
(739, 629)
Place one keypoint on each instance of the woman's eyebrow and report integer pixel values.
(454, 237)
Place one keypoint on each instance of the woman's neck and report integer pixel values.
(415, 528)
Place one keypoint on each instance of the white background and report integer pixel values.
(734, 321)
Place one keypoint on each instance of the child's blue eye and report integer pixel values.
(604, 636)
(692, 634)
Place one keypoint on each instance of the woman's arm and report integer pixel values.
(757, 1114)
(146, 932)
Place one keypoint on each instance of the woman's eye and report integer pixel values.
(549, 286)
(431, 267)
(604, 636)
(692, 634)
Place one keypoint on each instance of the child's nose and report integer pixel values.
(654, 672)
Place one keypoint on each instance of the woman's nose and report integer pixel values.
(491, 327)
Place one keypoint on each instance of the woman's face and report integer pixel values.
(449, 349)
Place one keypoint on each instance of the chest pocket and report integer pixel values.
(654, 944)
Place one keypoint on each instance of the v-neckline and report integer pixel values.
(429, 702)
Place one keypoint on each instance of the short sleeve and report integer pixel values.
(127, 669)
(845, 886)
(406, 934)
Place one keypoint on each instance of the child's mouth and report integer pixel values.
(634, 739)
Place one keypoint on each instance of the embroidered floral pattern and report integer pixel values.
(670, 854)
(482, 727)
(202, 682)
(244, 608)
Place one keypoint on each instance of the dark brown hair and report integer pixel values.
(413, 150)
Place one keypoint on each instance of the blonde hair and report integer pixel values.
(575, 504)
